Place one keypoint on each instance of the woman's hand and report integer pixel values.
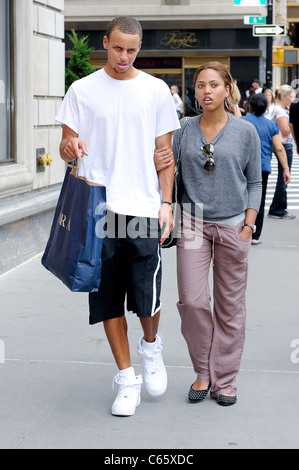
(163, 158)
(286, 176)
(166, 221)
(246, 233)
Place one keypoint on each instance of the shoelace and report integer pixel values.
(151, 359)
(125, 383)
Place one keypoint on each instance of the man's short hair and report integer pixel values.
(125, 24)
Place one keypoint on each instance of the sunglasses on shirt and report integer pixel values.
(208, 150)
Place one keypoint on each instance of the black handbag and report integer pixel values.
(177, 194)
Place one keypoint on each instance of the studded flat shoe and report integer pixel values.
(197, 395)
(225, 400)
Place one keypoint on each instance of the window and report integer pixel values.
(5, 86)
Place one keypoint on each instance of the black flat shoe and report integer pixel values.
(197, 395)
(225, 400)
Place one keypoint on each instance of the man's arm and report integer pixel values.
(71, 145)
(166, 179)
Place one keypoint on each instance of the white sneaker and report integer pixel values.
(128, 396)
(154, 372)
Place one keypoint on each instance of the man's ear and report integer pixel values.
(105, 42)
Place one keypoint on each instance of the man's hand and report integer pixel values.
(71, 147)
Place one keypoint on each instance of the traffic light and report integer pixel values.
(291, 56)
(285, 56)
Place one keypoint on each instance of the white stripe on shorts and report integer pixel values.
(154, 310)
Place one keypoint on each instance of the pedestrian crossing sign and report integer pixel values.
(250, 3)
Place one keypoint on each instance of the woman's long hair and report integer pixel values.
(268, 90)
(226, 77)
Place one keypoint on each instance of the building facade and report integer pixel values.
(32, 58)
(179, 35)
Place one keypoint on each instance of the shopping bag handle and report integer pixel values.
(75, 167)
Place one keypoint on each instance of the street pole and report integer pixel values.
(269, 47)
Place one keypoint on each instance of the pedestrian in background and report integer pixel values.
(235, 99)
(242, 99)
(256, 85)
(268, 132)
(270, 103)
(284, 95)
(249, 95)
(221, 170)
(117, 126)
(253, 90)
(178, 103)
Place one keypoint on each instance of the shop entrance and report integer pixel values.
(183, 78)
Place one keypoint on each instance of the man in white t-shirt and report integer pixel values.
(116, 117)
(257, 86)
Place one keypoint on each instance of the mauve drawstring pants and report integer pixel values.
(215, 338)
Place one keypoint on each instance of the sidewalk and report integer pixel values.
(55, 384)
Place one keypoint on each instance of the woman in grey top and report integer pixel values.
(221, 170)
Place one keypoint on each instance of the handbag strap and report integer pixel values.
(178, 163)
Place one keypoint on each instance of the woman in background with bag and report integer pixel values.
(285, 96)
(225, 180)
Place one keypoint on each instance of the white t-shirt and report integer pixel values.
(119, 121)
(270, 111)
(278, 113)
(177, 102)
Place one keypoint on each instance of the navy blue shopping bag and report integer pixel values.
(73, 252)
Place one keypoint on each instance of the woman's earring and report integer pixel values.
(197, 106)
(226, 102)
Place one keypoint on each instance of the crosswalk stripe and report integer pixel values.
(293, 187)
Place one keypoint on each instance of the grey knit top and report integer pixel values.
(236, 184)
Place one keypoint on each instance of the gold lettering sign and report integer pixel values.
(179, 40)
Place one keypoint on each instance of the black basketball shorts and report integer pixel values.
(131, 269)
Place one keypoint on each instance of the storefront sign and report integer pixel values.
(158, 63)
(180, 40)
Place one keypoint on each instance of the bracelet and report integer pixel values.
(167, 202)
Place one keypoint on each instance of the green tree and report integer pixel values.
(78, 65)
